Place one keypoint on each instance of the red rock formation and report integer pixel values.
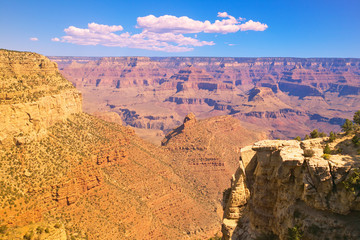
(94, 179)
(309, 92)
(206, 151)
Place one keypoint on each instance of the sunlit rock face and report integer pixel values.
(287, 187)
(33, 96)
(66, 174)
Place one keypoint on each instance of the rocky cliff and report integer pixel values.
(33, 96)
(291, 190)
(71, 175)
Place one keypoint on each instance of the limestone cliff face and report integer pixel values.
(284, 189)
(33, 96)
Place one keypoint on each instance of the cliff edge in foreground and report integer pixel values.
(291, 190)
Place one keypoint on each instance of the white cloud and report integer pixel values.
(104, 35)
(168, 23)
(100, 28)
(34, 39)
(164, 33)
(254, 26)
(222, 14)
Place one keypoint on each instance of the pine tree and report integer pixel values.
(357, 118)
(327, 149)
(348, 126)
(332, 136)
(314, 133)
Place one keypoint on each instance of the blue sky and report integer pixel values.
(291, 28)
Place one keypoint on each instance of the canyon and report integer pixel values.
(154, 94)
(66, 174)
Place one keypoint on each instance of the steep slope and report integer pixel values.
(33, 96)
(290, 190)
(206, 151)
(85, 178)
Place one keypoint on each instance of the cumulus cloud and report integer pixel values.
(169, 23)
(34, 39)
(100, 28)
(55, 39)
(98, 34)
(164, 33)
(222, 14)
(254, 26)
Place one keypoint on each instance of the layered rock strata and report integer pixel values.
(274, 93)
(33, 96)
(71, 175)
(284, 189)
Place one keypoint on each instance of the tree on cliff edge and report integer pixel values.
(348, 126)
(357, 118)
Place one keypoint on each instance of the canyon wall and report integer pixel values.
(33, 96)
(288, 190)
(66, 174)
(273, 93)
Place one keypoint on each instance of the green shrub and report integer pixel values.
(353, 182)
(3, 229)
(314, 133)
(295, 233)
(357, 118)
(298, 138)
(327, 149)
(326, 156)
(332, 136)
(28, 235)
(306, 137)
(348, 126)
(39, 230)
(309, 153)
(322, 134)
(356, 141)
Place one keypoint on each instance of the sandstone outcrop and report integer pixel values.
(287, 188)
(33, 96)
